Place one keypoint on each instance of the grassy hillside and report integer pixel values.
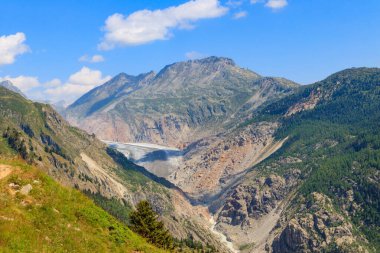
(52, 218)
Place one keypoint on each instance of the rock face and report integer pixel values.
(252, 201)
(213, 163)
(316, 227)
(184, 102)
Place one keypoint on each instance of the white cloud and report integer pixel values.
(53, 83)
(55, 90)
(193, 55)
(11, 46)
(240, 14)
(273, 4)
(276, 4)
(146, 26)
(78, 83)
(24, 83)
(88, 77)
(92, 59)
(234, 3)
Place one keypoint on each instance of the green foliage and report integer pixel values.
(115, 207)
(144, 221)
(53, 218)
(18, 142)
(191, 245)
(339, 144)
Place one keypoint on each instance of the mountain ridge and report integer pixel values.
(10, 86)
(179, 99)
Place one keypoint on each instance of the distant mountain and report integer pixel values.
(183, 102)
(9, 85)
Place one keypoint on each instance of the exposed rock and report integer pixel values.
(25, 190)
(252, 200)
(214, 163)
(316, 228)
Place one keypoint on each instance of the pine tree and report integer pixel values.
(144, 221)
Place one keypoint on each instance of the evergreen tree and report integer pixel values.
(144, 221)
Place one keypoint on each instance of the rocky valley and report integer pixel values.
(189, 126)
(230, 159)
(238, 148)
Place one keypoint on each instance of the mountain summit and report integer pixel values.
(182, 102)
(9, 85)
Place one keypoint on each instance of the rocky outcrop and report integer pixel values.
(254, 198)
(252, 201)
(214, 163)
(316, 227)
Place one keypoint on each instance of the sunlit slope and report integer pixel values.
(52, 218)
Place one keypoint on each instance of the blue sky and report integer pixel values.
(60, 49)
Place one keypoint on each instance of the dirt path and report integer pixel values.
(5, 170)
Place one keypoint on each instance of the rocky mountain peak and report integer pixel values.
(205, 66)
(10, 86)
(215, 60)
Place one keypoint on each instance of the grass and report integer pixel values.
(53, 218)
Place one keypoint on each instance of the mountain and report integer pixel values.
(286, 169)
(320, 191)
(184, 102)
(9, 85)
(281, 167)
(37, 134)
(301, 175)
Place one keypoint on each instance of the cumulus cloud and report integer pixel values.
(273, 4)
(276, 4)
(11, 46)
(92, 59)
(24, 83)
(240, 14)
(55, 90)
(145, 26)
(234, 3)
(193, 55)
(78, 83)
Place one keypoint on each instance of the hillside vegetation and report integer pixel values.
(52, 218)
(325, 179)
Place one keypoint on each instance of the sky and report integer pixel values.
(58, 50)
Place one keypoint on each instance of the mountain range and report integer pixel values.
(262, 164)
(182, 103)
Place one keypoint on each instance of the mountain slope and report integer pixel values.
(51, 218)
(37, 134)
(184, 102)
(320, 191)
